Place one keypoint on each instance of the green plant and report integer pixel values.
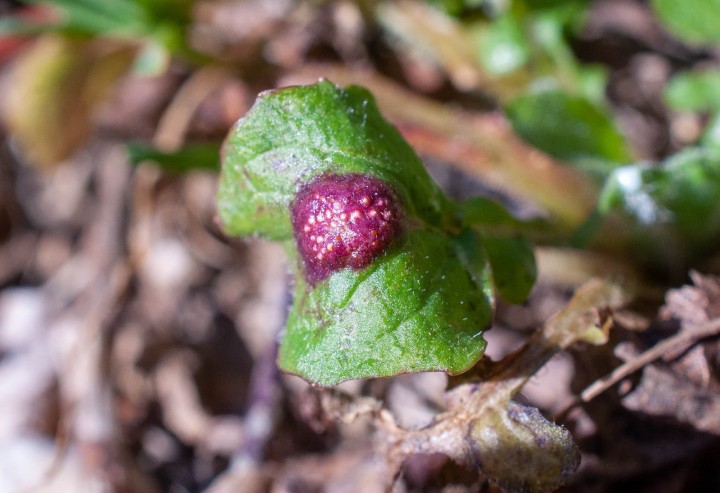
(662, 215)
(391, 276)
(421, 297)
(82, 49)
(157, 28)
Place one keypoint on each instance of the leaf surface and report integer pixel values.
(668, 215)
(292, 135)
(422, 307)
(568, 127)
(696, 21)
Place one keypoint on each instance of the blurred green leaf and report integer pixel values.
(491, 218)
(502, 46)
(591, 82)
(513, 266)
(568, 127)
(111, 17)
(548, 4)
(461, 8)
(511, 256)
(550, 28)
(667, 215)
(161, 23)
(711, 135)
(695, 21)
(192, 156)
(694, 91)
(153, 59)
(489, 215)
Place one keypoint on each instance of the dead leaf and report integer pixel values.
(663, 392)
(55, 87)
(685, 384)
(510, 444)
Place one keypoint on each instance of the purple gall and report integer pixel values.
(342, 221)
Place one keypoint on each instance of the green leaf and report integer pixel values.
(100, 18)
(694, 91)
(502, 46)
(695, 21)
(158, 25)
(591, 82)
(294, 134)
(489, 216)
(192, 156)
(510, 255)
(513, 266)
(549, 4)
(460, 8)
(422, 307)
(568, 127)
(667, 215)
(711, 135)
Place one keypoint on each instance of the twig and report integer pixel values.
(176, 119)
(687, 337)
(85, 395)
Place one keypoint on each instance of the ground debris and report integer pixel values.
(685, 383)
